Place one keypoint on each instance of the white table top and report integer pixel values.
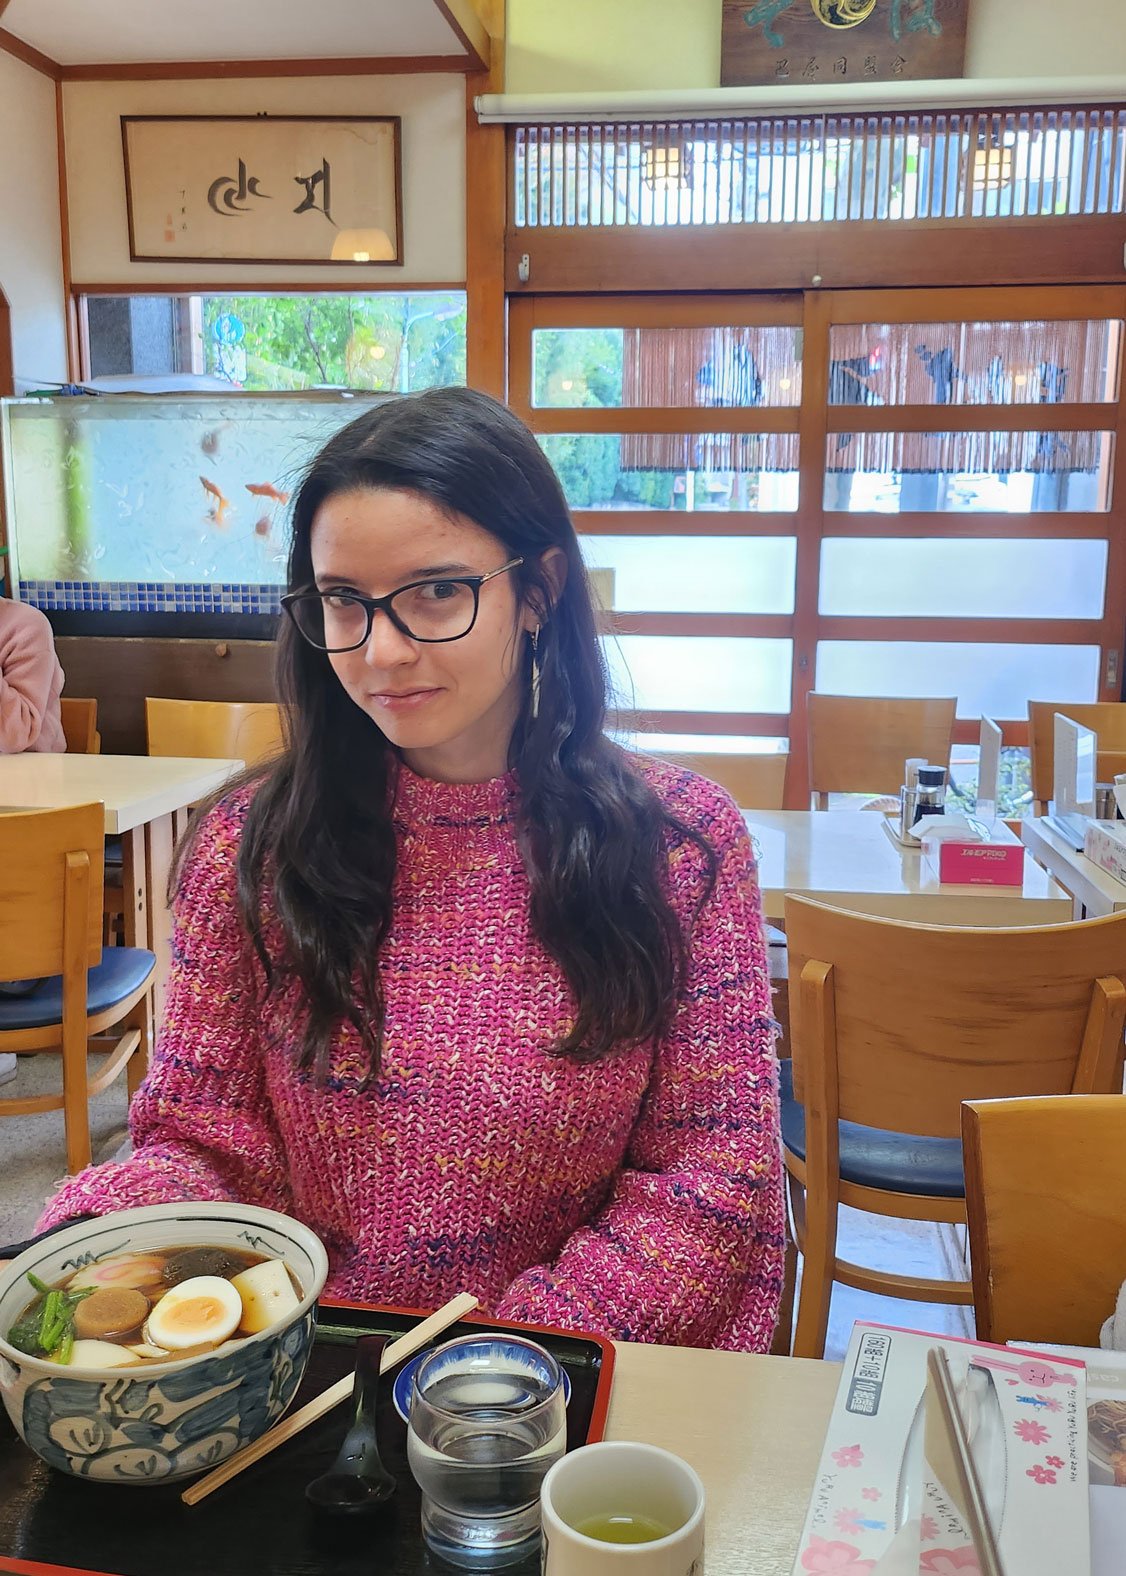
(753, 1428)
(845, 857)
(1092, 886)
(135, 789)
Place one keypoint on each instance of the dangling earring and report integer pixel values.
(535, 673)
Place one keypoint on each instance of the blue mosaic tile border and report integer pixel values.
(149, 596)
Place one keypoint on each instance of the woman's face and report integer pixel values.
(450, 708)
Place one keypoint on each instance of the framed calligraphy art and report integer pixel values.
(812, 42)
(264, 188)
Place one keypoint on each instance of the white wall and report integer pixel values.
(31, 270)
(589, 46)
(433, 111)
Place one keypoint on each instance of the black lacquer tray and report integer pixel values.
(259, 1524)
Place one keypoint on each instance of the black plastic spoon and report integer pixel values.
(357, 1480)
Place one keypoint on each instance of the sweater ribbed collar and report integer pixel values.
(422, 805)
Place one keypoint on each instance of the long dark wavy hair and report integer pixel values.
(318, 846)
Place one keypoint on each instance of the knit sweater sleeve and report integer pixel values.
(28, 666)
(201, 1124)
(688, 1248)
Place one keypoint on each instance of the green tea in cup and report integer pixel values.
(623, 1529)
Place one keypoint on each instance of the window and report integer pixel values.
(383, 342)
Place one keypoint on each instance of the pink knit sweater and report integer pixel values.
(31, 681)
(639, 1196)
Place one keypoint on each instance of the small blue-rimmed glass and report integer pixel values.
(487, 1423)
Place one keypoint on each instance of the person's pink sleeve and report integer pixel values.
(689, 1248)
(27, 674)
(201, 1124)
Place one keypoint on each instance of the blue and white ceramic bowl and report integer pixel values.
(161, 1422)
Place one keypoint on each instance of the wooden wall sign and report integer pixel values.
(810, 42)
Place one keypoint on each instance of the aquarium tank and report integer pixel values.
(159, 514)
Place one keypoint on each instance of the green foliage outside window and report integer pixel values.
(386, 343)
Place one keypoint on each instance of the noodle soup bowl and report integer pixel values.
(156, 1422)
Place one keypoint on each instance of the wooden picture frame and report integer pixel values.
(811, 43)
(321, 189)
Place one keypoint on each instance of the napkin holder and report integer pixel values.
(965, 852)
(887, 1502)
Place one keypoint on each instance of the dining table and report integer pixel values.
(1093, 891)
(849, 858)
(146, 799)
(753, 1427)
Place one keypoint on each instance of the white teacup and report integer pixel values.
(616, 1480)
(1120, 792)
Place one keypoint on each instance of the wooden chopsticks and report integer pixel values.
(395, 1353)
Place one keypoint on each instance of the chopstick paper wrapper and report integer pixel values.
(397, 1352)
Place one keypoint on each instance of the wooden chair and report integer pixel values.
(1046, 1194)
(756, 781)
(1106, 718)
(858, 744)
(239, 730)
(80, 726)
(893, 1025)
(51, 932)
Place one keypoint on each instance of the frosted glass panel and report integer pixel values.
(597, 368)
(692, 471)
(996, 679)
(923, 578)
(704, 743)
(162, 488)
(709, 673)
(696, 574)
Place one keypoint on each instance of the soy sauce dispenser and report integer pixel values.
(923, 794)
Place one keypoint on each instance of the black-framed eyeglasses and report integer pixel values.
(433, 611)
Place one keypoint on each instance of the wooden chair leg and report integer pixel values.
(819, 1253)
(76, 1099)
(140, 1018)
(783, 1331)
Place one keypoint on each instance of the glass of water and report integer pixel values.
(487, 1422)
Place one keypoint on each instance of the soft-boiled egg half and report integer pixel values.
(201, 1311)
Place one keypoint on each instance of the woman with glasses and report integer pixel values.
(477, 994)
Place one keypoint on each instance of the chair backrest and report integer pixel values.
(1046, 1196)
(906, 1021)
(80, 725)
(754, 781)
(859, 743)
(250, 731)
(1107, 718)
(51, 871)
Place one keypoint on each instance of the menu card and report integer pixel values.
(882, 1503)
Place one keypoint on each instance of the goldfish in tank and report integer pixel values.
(262, 526)
(222, 504)
(209, 443)
(267, 490)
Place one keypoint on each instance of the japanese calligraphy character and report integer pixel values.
(811, 67)
(840, 67)
(232, 194)
(763, 15)
(782, 68)
(321, 178)
(913, 16)
(898, 65)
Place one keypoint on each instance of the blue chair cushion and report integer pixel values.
(121, 971)
(874, 1157)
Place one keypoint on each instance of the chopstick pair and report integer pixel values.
(395, 1353)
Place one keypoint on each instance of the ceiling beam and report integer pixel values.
(231, 70)
(477, 23)
(11, 45)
